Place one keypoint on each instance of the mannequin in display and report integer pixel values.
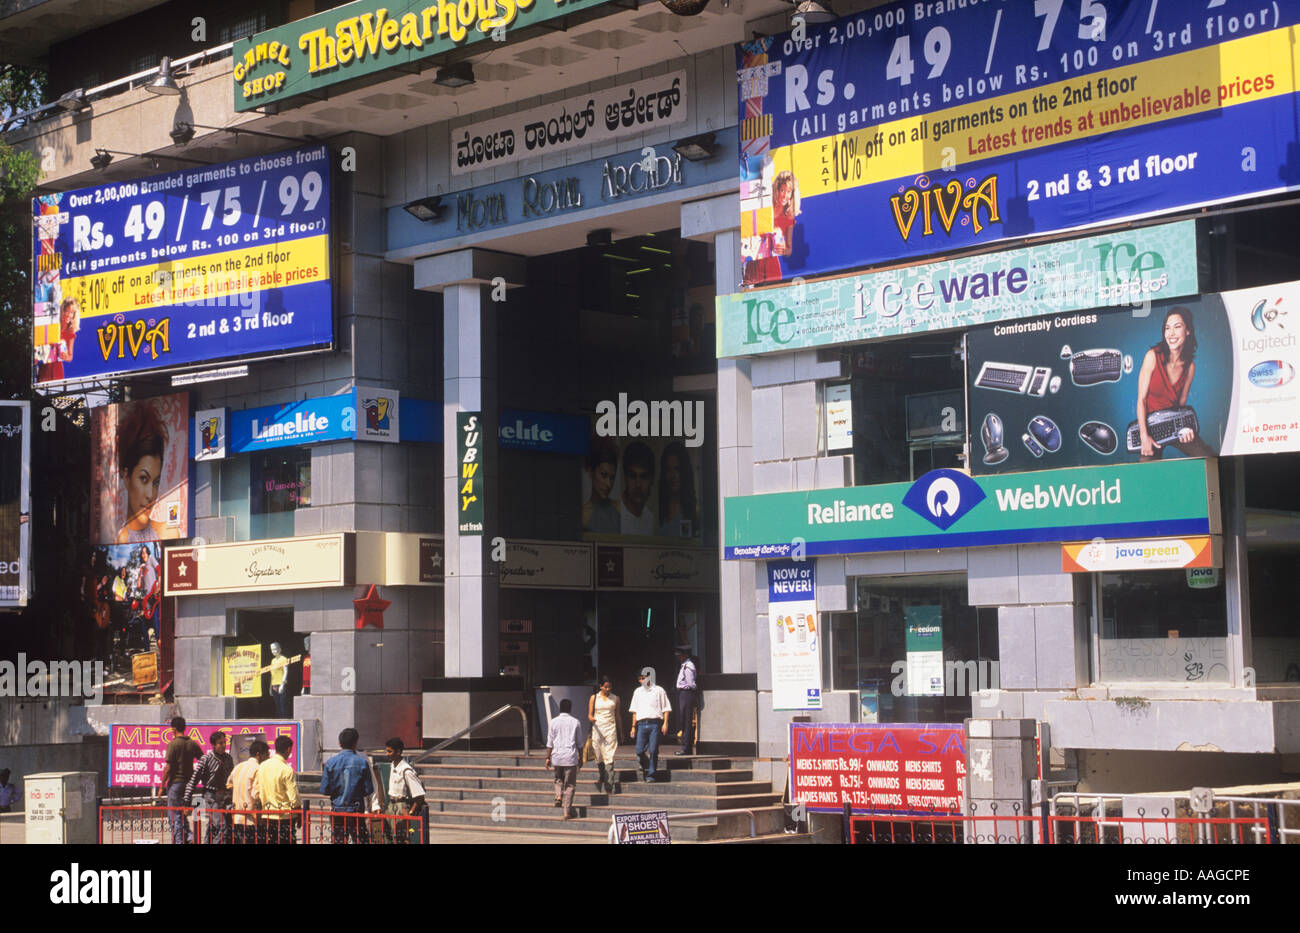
(279, 668)
(279, 671)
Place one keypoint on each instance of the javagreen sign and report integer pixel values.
(947, 508)
(361, 38)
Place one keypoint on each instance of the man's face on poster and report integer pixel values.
(636, 486)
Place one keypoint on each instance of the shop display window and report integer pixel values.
(915, 649)
(909, 409)
(1163, 626)
(1273, 554)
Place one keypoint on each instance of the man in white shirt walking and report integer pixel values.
(649, 709)
(564, 754)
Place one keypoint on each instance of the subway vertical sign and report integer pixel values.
(469, 449)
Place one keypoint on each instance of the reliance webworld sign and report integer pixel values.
(361, 38)
(947, 508)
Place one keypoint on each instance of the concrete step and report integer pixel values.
(601, 807)
(782, 838)
(769, 820)
(694, 788)
(628, 774)
(626, 800)
(624, 759)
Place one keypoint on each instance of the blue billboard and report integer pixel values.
(208, 263)
(928, 127)
(544, 431)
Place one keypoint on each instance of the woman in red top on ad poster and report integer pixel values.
(1165, 381)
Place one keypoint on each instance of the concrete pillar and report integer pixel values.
(472, 282)
(1000, 764)
(715, 219)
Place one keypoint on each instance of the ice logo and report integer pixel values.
(942, 497)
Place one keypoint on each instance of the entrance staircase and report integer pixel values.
(512, 795)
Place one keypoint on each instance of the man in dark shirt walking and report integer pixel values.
(211, 773)
(345, 779)
(182, 752)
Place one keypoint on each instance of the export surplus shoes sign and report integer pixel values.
(946, 508)
(361, 39)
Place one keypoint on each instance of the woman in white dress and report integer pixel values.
(604, 712)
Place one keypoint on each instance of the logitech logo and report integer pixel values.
(942, 497)
(1261, 316)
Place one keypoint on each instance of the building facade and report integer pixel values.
(621, 411)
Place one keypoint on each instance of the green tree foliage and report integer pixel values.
(21, 89)
(18, 174)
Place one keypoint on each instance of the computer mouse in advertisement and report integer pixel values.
(1045, 431)
(1031, 445)
(1066, 352)
(991, 434)
(1099, 436)
(1055, 385)
(1128, 363)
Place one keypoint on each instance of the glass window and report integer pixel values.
(909, 409)
(1273, 554)
(1167, 626)
(280, 483)
(915, 649)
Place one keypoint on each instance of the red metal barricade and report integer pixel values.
(940, 829)
(148, 824)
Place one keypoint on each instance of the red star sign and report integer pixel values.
(370, 610)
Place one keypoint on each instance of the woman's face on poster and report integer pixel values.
(142, 485)
(1175, 333)
(784, 197)
(602, 480)
(673, 473)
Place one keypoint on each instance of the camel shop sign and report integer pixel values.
(359, 39)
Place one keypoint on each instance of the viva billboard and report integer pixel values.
(947, 508)
(1209, 376)
(940, 126)
(209, 263)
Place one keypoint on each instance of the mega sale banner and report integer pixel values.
(926, 127)
(137, 753)
(895, 767)
(204, 264)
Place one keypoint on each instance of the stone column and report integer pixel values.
(472, 281)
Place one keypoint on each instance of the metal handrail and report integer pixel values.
(523, 719)
(753, 823)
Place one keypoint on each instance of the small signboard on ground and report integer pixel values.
(649, 828)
